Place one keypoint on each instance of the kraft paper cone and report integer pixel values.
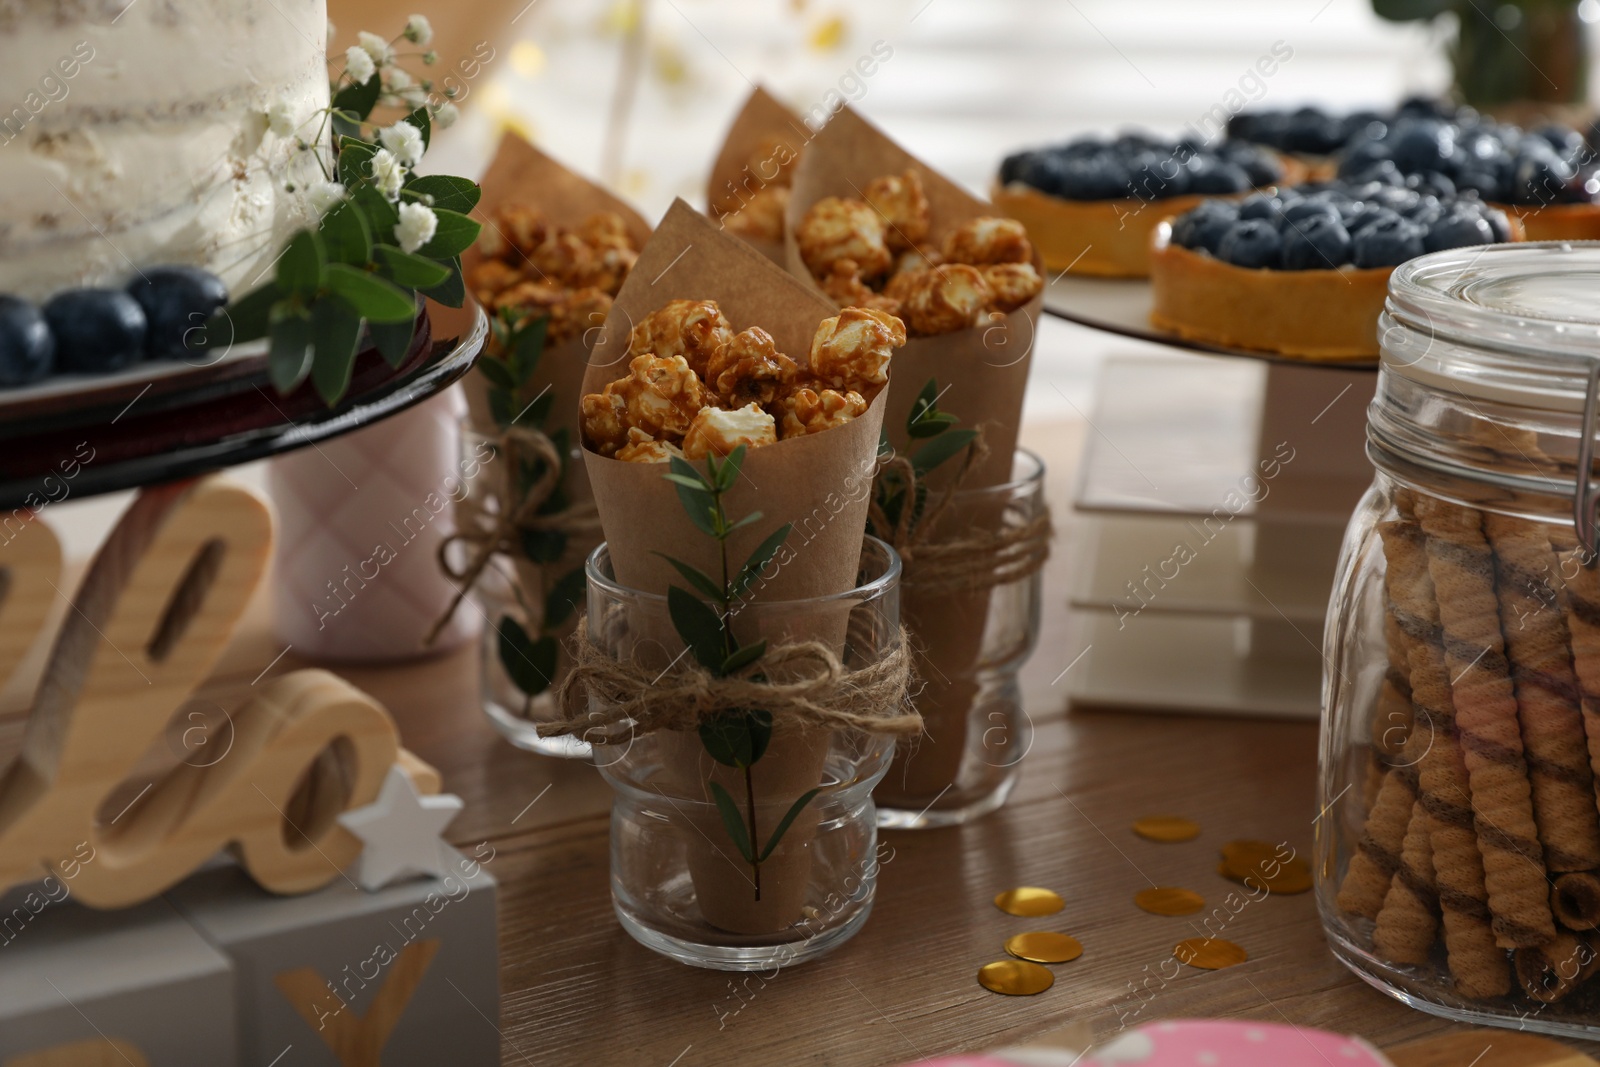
(984, 369)
(983, 373)
(521, 174)
(821, 483)
(762, 142)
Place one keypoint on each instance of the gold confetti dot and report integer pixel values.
(1044, 946)
(1015, 978)
(1169, 900)
(1169, 829)
(1257, 866)
(1208, 953)
(828, 34)
(1029, 901)
(1245, 854)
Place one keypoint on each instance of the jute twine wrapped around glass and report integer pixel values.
(748, 191)
(953, 561)
(556, 247)
(819, 484)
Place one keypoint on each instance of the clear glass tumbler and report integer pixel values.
(678, 881)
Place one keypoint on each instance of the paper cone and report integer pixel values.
(985, 369)
(759, 150)
(821, 483)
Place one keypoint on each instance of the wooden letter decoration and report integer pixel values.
(358, 1040)
(96, 1052)
(157, 608)
(30, 575)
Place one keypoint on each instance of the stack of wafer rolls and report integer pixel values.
(1480, 847)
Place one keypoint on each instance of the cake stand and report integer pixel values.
(1209, 509)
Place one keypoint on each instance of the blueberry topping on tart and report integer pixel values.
(27, 349)
(1388, 243)
(1138, 166)
(1251, 243)
(1319, 242)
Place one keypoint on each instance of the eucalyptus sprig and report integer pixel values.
(703, 617)
(388, 236)
(926, 423)
(516, 346)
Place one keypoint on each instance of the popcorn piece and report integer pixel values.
(986, 240)
(523, 227)
(852, 349)
(844, 285)
(693, 329)
(941, 299)
(834, 229)
(721, 431)
(916, 259)
(749, 369)
(1011, 285)
(904, 207)
(564, 258)
(761, 217)
(813, 411)
(491, 278)
(604, 229)
(661, 395)
(539, 298)
(642, 448)
(583, 309)
(605, 421)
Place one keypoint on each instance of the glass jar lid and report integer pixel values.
(1490, 356)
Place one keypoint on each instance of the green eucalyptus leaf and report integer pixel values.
(301, 268)
(749, 520)
(759, 559)
(450, 193)
(564, 598)
(527, 348)
(345, 236)
(788, 821)
(1407, 10)
(497, 373)
(355, 167)
(529, 663)
(725, 474)
(245, 319)
(759, 725)
(454, 235)
(359, 97)
(698, 625)
(453, 291)
(744, 657)
(941, 449)
(423, 121)
(726, 737)
(289, 358)
(392, 340)
(926, 399)
(369, 296)
(499, 405)
(381, 216)
(334, 333)
(410, 271)
(695, 577)
(733, 822)
(535, 411)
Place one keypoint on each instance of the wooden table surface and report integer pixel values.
(576, 989)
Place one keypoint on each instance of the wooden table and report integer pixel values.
(576, 989)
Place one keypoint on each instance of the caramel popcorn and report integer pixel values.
(844, 286)
(835, 229)
(693, 329)
(904, 207)
(491, 278)
(852, 349)
(660, 395)
(568, 275)
(1011, 285)
(582, 310)
(987, 240)
(721, 431)
(941, 299)
(604, 418)
(916, 259)
(642, 448)
(535, 297)
(761, 217)
(749, 369)
(518, 226)
(812, 411)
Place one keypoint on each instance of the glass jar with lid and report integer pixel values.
(1459, 840)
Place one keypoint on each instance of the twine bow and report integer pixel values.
(503, 533)
(605, 699)
(978, 559)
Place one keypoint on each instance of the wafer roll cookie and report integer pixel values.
(1462, 568)
(1550, 972)
(1538, 646)
(1581, 593)
(1477, 964)
(1408, 925)
(1391, 719)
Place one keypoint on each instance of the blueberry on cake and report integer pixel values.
(1315, 135)
(1090, 205)
(1303, 271)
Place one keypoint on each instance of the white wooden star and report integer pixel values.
(400, 832)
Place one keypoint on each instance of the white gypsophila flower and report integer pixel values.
(419, 30)
(405, 141)
(324, 195)
(388, 174)
(417, 226)
(358, 64)
(415, 96)
(376, 47)
(280, 118)
(445, 115)
(396, 79)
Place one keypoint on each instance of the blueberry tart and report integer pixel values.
(1303, 271)
(1091, 205)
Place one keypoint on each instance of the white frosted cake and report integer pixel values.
(138, 135)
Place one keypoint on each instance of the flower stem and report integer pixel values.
(755, 842)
